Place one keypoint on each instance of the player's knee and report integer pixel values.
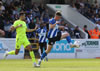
(16, 53)
(30, 48)
(67, 34)
(48, 51)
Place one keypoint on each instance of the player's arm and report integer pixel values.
(52, 26)
(12, 28)
(61, 27)
(52, 23)
(31, 30)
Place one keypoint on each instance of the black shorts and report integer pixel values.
(54, 39)
(43, 44)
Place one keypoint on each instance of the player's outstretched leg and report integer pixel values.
(68, 38)
(44, 54)
(29, 47)
(45, 47)
(13, 52)
(45, 50)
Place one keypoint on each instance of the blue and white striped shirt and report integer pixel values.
(42, 34)
(53, 32)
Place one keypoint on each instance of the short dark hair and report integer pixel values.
(85, 26)
(21, 13)
(77, 26)
(58, 13)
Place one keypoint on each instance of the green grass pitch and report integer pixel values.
(51, 65)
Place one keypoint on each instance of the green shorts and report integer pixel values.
(22, 41)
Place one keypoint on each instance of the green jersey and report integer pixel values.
(21, 31)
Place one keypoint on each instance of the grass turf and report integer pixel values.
(51, 65)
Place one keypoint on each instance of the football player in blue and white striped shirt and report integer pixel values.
(42, 31)
(55, 35)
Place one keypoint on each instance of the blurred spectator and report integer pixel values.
(15, 11)
(94, 13)
(97, 18)
(1, 22)
(7, 26)
(95, 33)
(88, 14)
(96, 3)
(2, 33)
(77, 33)
(45, 16)
(85, 29)
(87, 4)
(8, 2)
(99, 13)
(81, 3)
(37, 21)
(15, 17)
(36, 10)
(98, 24)
(28, 18)
(74, 7)
(77, 4)
(93, 19)
(41, 8)
(97, 9)
(32, 24)
(2, 8)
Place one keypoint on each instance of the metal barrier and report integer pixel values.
(26, 55)
(37, 44)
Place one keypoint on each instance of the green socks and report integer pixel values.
(11, 52)
(32, 56)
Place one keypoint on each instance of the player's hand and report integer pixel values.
(2, 32)
(36, 27)
(11, 29)
(20, 25)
